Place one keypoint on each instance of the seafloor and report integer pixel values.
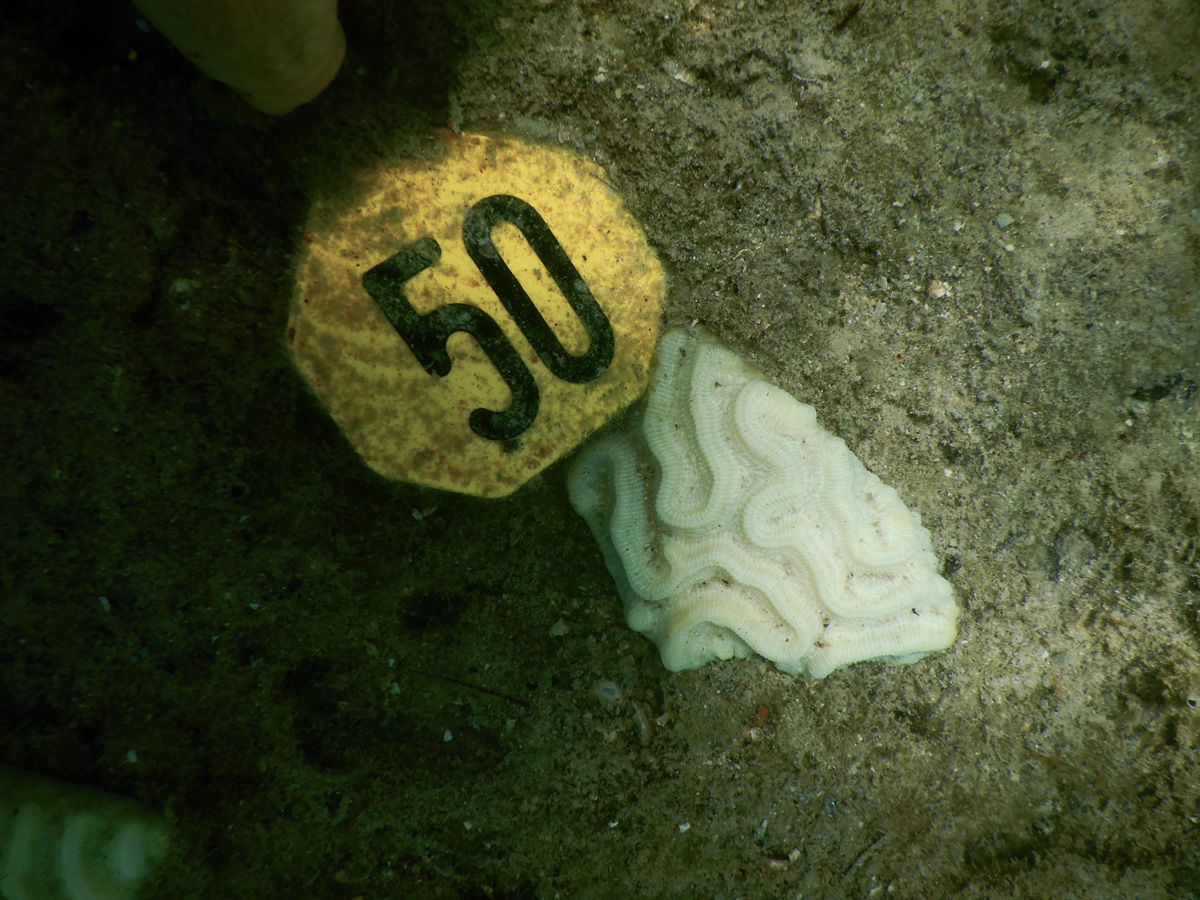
(968, 233)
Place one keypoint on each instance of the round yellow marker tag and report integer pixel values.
(469, 318)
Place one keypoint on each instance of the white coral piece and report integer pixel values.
(734, 523)
(62, 842)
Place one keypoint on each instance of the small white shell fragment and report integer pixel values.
(733, 523)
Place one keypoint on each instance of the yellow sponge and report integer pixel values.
(276, 53)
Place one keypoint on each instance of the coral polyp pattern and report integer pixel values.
(733, 523)
(63, 842)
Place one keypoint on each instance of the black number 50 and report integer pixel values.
(426, 335)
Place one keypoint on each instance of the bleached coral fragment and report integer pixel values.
(734, 523)
(63, 842)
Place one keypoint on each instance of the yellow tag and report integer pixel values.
(468, 319)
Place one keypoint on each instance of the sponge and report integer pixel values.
(276, 53)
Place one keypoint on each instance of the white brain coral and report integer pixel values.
(734, 523)
(63, 842)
